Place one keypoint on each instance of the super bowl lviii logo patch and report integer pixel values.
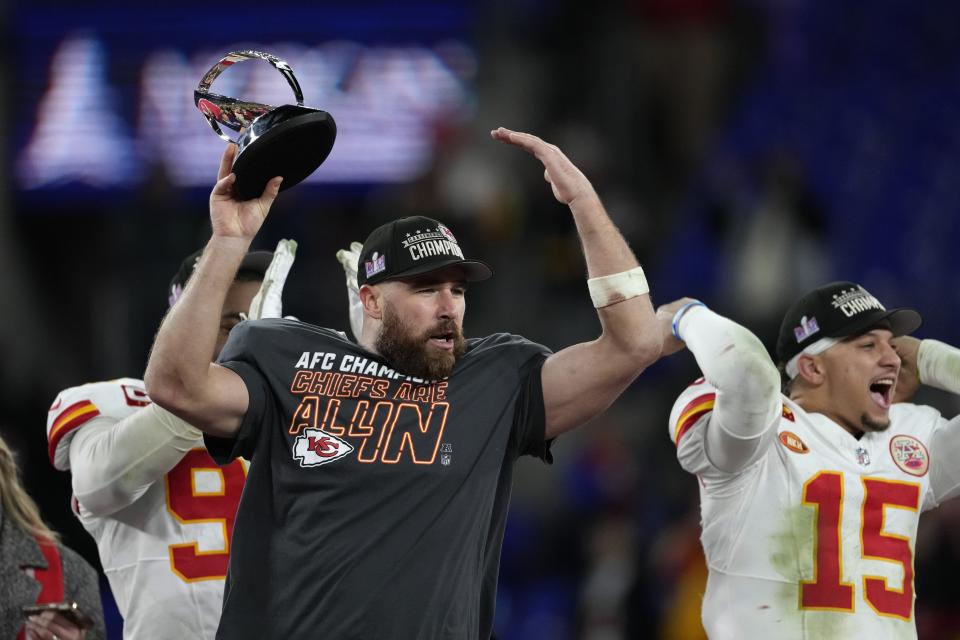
(808, 327)
(314, 447)
(910, 455)
(375, 264)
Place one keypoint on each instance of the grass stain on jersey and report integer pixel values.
(792, 552)
(792, 546)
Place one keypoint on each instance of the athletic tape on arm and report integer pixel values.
(617, 287)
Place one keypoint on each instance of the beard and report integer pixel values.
(412, 353)
(872, 424)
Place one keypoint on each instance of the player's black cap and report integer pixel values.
(413, 246)
(254, 262)
(838, 310)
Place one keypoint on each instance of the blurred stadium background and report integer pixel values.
(748, 149)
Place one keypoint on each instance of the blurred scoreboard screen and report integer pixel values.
(102, 97)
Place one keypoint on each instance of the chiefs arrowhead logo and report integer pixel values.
(315, 447)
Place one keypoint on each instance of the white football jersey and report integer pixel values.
(165, 553)
(814, 539)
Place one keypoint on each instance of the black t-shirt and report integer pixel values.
(375, 503)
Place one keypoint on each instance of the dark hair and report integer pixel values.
(786, 382)
(248, 275)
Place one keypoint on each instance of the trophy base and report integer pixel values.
(290, 141)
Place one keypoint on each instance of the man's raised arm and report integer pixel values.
(581, 381)
(179, 376)
(748, 401)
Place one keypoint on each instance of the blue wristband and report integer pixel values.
(678, 316)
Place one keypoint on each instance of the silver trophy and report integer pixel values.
(290, 140)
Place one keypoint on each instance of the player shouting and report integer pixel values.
(381, 470)
(810, 499)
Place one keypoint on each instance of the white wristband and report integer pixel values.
(617, 287)
(939, 365)
(678, 316)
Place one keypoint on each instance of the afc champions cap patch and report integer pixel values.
(853, 300)
(438, 241)
(838, 310)
(414, 246)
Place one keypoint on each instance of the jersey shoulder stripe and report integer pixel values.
(68, 420)
(691, 413)
(76, 406)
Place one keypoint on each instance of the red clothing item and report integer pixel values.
(50, 579)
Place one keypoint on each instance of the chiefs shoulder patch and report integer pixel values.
(909, 455)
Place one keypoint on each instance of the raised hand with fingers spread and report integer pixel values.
(618, 288)
(568, 182)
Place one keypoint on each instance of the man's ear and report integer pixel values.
(811, 369)
(372, 300)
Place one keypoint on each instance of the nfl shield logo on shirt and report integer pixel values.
(315, 447)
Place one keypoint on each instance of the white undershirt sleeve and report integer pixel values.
(113, 462)
(945, 470)
(939, 366)
(748, 403)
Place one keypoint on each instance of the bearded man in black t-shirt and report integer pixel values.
(380, 470)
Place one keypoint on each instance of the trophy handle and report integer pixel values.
(233, 113)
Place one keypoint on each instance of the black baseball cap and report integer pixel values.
(413, 246)
(838, 310)
(255, 262)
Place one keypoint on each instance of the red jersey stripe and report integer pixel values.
(694, 410)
